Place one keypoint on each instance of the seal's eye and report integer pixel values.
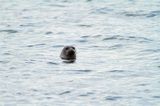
(67, 48)
(73, 47)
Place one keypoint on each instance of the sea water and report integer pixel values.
(118, 52)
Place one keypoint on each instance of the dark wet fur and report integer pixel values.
(68, 53)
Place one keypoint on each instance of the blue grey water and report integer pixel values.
(118, 52)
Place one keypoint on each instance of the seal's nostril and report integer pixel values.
(71, 52)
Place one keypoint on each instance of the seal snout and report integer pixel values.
(71, 52)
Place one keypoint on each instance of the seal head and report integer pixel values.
(68, 53)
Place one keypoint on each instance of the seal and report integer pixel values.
(68, 53)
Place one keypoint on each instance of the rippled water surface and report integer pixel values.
(118, 52)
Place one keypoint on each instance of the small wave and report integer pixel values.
(141, 14)
(3, 91)
(6, 53)
(34, 90)
(83, 70)
(151, 50)
(80, 71)
(157, 97)
(12, 68)
(113, 98)
(4, 62)
(26, 75)
(25, 10)
(84, 36)
(104, 10)
(60, 33)
(112, 37)
(48, 33)
(87, 94)
(47, 93)
(82, 40)
(9, 31)
(140, 39)
(134, 97)
(117, 46)
(126, 38)
(65, 92)
(27, 25)
(57, 46)
(97, 36)
(153, 14)
(84, 25)
(98, 47)
(48, 97)
(88, 0)
(57, 5)
(136, 14)
(52, 63)
(19, 93)
(115, 71)
(41, 44)
(29, 62)
(142, 84)
(26, 17)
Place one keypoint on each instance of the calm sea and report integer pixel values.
(118, 52)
